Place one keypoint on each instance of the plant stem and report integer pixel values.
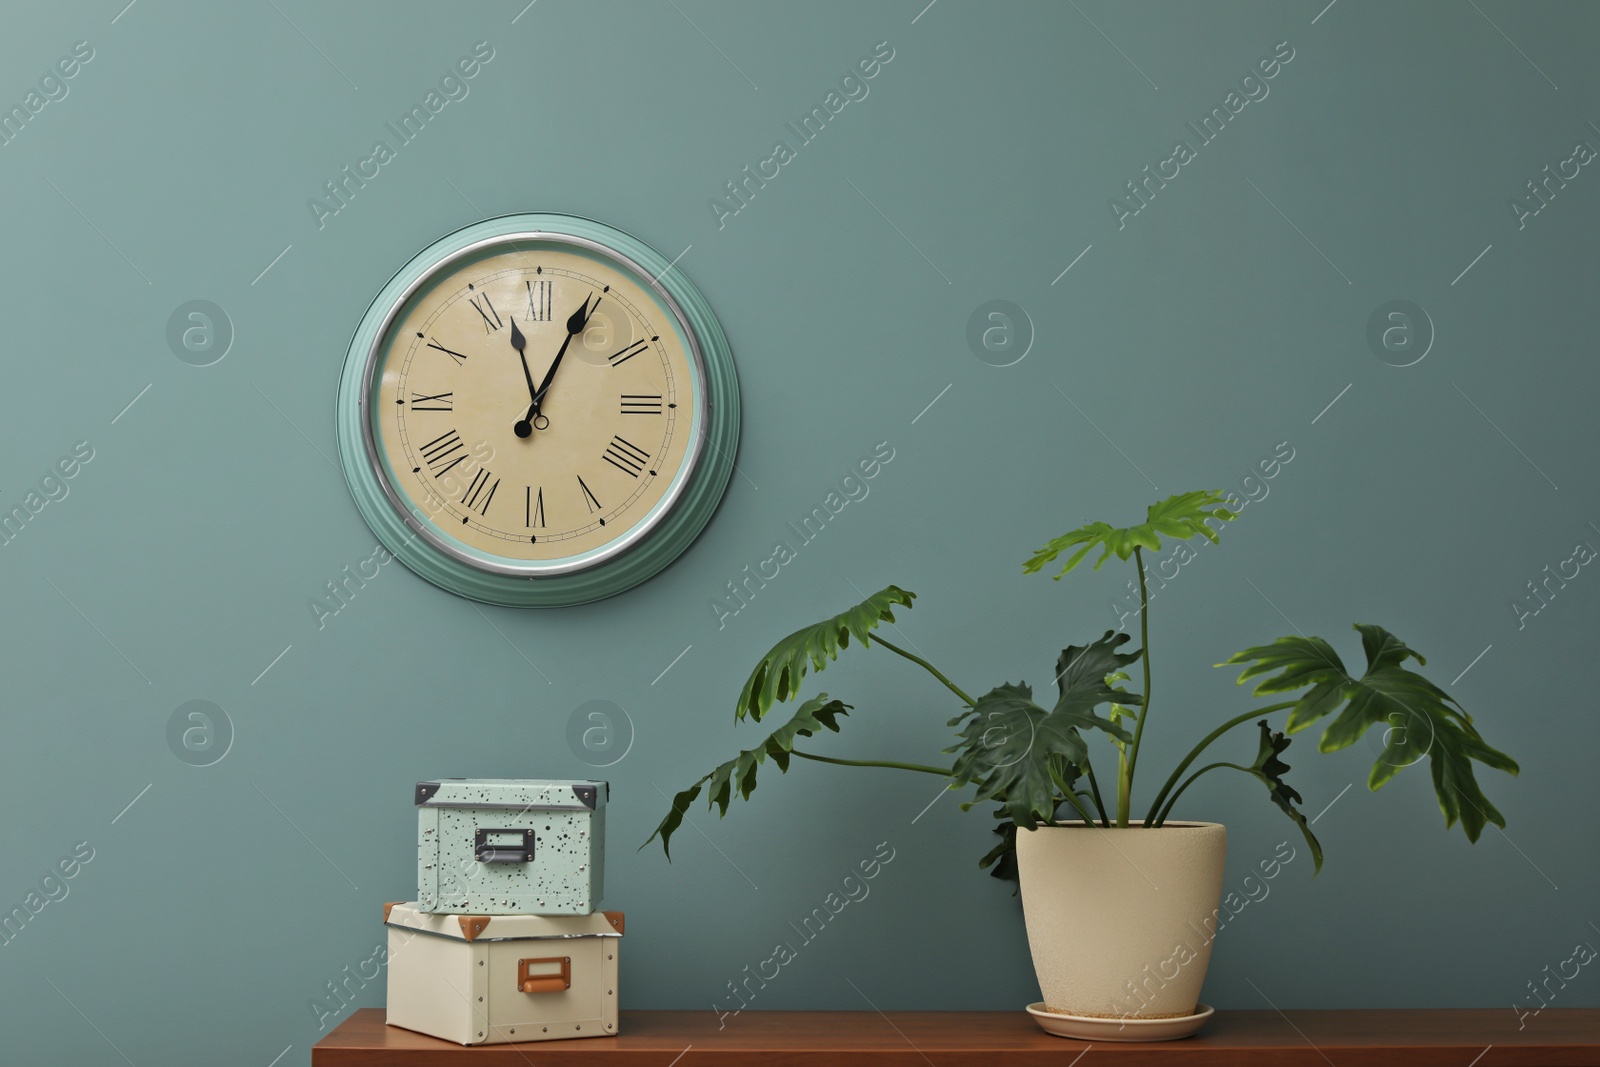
(1125, 782)
(943, 772)
(1098, 803)
(1070, 794)
(1208, 767)
(930, 668)
(1194, 753)
(1072, 798)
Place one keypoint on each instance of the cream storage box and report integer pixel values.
(510, 846)
(489, 979)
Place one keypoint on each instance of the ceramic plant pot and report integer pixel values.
(1120, 921)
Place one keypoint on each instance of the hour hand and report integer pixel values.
(523, 428)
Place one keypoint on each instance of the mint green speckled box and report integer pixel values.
(510, 846)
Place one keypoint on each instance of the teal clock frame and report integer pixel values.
(402, 529)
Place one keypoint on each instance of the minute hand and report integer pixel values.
(575, 324)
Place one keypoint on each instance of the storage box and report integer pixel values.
(510, 846)
(482, 979)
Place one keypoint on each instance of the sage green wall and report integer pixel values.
(1179, 351)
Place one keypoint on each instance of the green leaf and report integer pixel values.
(1004, 749)
(1420, 719)
(1118, 711)
(739, 773)
(1001, 861)
(777, 677)
(1082, 673)
(1009, 744)
(1179, 517)
(1270, 769)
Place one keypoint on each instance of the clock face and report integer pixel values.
(535, 404)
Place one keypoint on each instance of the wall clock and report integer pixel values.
(538, 409)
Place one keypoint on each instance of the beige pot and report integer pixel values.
(1120, 921)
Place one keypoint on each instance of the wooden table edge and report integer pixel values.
(1450, 1037)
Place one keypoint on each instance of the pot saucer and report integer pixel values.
(1131, 1028)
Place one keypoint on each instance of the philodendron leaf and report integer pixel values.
(1270, 769)
(739, 773)
(1001, 861)
(1005, 749)
(1120, 711)
(1079, 668)
(1179, 517)
(1420, 719)
(777, 677)
(1008, 742)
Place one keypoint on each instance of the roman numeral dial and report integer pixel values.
(539, 300)
(480, 492)
(443, 453)
(459, 357)
(485, 309)
(641, 404)
(622, 355)
(432, 402)
(611, 377)
(589, 499)
(626, 456)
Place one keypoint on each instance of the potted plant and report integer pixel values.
(1121, 910)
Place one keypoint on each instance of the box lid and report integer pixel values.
(503, 927)
(529, 794)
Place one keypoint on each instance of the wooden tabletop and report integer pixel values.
(1421, 1038)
